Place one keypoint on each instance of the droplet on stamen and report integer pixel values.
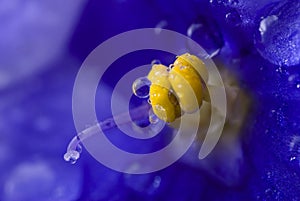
(182, 67)
(155, 62)
(72, 156)
(140, 87)
(171, 66)
(153, 119)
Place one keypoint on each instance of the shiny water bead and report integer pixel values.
(186, 83)
(140, 87)
(164, 104)
(153, 119)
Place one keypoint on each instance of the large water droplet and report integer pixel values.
(140, 87)
(206, 34)
(233, 18)
(265, 23)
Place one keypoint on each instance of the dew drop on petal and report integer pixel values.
(265, 23)
(160, 25)
(233, 18)
(206, 34)
(192, 29)
(295, 150)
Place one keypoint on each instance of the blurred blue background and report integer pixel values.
(42, 46)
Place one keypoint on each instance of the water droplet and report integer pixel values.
(156, 182)
(191, 30)
(233, 18)
(162, 112)
(140, 87)
(233, 2)
(171, 66)
(291, 78)
(159, 108)
(72, 156)
(298, 86)
(206, 34)
(295, 150)
(213, 54)
(157, 73)
(182, 67)
(229, 3)
(108, 123)
(279, 69)
(265, 24)
(79, 148)
(155, 62)
(153, 119)
(162, 24)
(144, 183)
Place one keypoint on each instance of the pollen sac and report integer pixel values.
(186, 82)
(194, 62)
(164, 103)
(159, 76)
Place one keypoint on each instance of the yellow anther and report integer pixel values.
(159, 76)
(164, 104)
(193, 61)
(186, 83)
(185, 80)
